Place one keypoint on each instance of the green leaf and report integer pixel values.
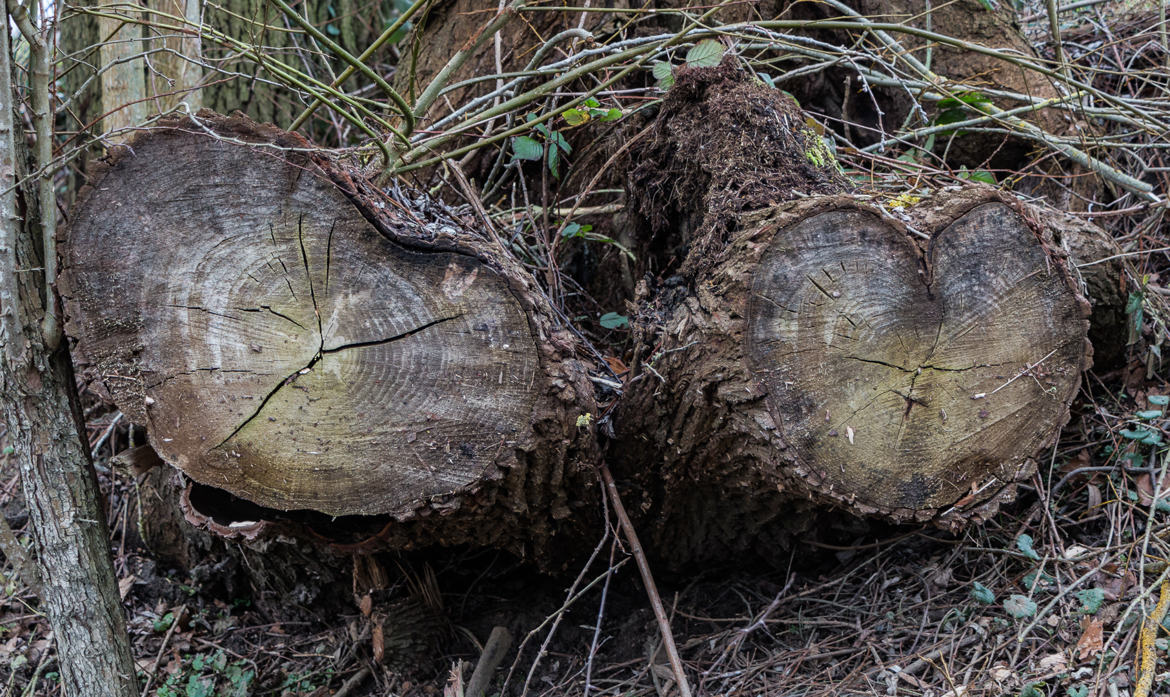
(1148, 414)
(612, 115)
(554, 162)
(571, 230)
(1019, 606)
(1160, 400)
(164, 623)
(612, 320)
(979, 175)
(1024, 544)
(592, 103)
(561, 143)
(664, 74)
(1142, 435)
(1031, 689)
(1078, 691)
(575, 117)
(525, 148)
(982, 594)
(705, 54)
(1039, 581)
(1091, 600)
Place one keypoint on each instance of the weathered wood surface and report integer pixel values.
(907, 374)
(297, 339)
(293, 340)
(906, 362)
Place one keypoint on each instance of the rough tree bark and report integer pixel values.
(304, 341)
(903, 362)
(40, 408)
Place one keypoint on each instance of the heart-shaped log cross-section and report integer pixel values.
(902, 376)
(281, 346)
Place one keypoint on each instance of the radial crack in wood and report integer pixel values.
(283, 344)
(902, 377)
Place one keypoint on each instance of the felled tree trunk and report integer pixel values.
(905, 361)
(302, 341)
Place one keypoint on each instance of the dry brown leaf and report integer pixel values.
(1091, 641)
(125, 584)
(366, 605)
(616, 365)
(1145, 486)
(378, 642)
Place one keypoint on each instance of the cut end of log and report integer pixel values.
(911, 374)
(279, 345)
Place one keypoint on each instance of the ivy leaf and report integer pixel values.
(612, 320)
(1091, 600)
(982, 594)
(1078, 691)
(1032, 690)
(705, 54)
(1019, 606)
(1024, 544)
(525, 148)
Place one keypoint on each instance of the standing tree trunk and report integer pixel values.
(41, 412)
(124, 82)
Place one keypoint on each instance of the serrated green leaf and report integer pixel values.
(612, 320)
(1019, 606)
(663, 74)
(1091, 600)
(982, 594)
(1160, 400)
(526, 148)
(1148, 414)
(705, 54)
(1024, 544)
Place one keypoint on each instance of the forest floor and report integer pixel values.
(1047, 599)
(1052, 597)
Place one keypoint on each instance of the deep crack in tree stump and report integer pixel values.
(293, 337)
